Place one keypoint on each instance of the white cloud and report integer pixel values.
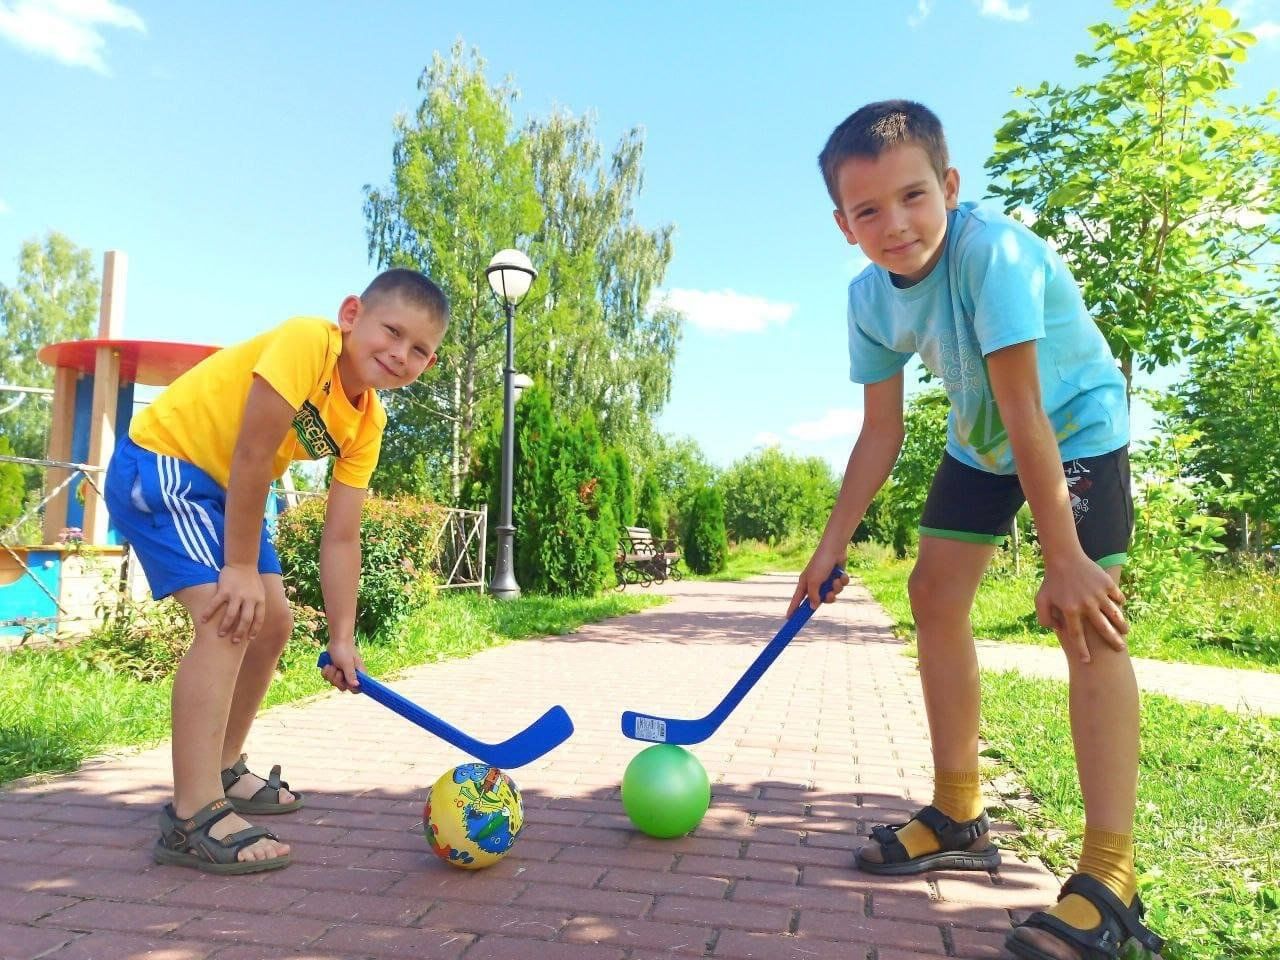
(726, 311)
(923, 8)
(66, 30)
(1000, 10)
(4, 207)
(1266, 31)
(836, 422)
(766, 439)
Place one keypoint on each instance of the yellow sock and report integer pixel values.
(958, 794)
(1108, 858)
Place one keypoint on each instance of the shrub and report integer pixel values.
(651, 511)
(770, 496)
(12, 487)
(705, 542)
(564, 498)
(399, 545)
(1173, 536)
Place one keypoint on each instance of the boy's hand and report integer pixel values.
(242, 600)
(346, 661)
(1080, 593)
(815, 574)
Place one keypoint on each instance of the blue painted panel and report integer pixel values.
(24, 599)
(82, 424)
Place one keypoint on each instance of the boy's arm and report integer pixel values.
(869, 466)
(340, 580)
(1076, 590)
(240, 594)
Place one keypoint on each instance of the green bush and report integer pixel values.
(399, 545)
(1173, 536)
(651, 511)
(12, 487)
(564, 498)
(769, 496)
(705, 542)
(624, 497)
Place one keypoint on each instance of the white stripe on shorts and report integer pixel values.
(197, 549)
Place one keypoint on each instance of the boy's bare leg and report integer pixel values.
(260, 658)
(943, 585)
(202, 691)
(1104, 731)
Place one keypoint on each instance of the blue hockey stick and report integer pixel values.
(543, 735)
(643, 726)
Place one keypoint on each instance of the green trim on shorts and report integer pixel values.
(989, 539)
(1113, 560)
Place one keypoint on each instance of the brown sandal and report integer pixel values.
(187, 843)
(267, 799)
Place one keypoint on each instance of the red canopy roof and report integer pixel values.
(155, 363)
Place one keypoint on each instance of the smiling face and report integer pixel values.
(387, 342)
(894, 207)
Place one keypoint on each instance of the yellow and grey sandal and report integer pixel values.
(267, 799)
(1118, 927)
(964, 846)
(187, 843)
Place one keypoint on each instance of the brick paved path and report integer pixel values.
(807, 764)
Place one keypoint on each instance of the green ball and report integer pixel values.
(665, 790)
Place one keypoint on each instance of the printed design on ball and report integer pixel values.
(473, 816)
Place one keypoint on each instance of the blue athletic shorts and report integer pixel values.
(173, 515)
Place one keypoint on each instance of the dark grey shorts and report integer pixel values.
(978, 507)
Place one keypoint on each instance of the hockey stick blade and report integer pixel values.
(542, 736)
(643, 726)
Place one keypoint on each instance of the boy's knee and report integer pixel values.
(934, 598)
(276, 630)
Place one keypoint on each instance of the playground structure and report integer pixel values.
(55, 585)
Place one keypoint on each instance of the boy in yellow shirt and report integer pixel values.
(187, 489)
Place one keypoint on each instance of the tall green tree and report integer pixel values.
(592, 334)
(461, 190)
(1160, 190)
(54, 298)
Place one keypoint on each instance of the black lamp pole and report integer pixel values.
(510, 274)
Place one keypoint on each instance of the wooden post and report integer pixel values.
(106, 390)
(64, 404)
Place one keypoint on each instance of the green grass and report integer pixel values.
(58, 707)
(1005, 610)
(1208, 817)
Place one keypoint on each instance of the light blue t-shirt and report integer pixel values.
(997, 284)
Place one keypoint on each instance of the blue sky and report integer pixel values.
(224, 148)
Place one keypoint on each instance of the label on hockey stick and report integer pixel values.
(651, 728)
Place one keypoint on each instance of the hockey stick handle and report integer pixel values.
(775, 646)
(393, 701)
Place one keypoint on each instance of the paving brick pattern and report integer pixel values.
(830, 743)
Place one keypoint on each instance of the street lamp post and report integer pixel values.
(510, 275)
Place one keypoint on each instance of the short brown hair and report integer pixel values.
(414, 288)
(871, 130)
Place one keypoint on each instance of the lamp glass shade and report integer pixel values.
(510, 274)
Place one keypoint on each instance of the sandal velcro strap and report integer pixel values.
(1119, 923)
(233, 773)
(951, 834)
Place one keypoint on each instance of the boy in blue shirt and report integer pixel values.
(1038, 412)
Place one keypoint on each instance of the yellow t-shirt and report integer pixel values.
(198, 416)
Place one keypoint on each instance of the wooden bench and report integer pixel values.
(646, 560)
